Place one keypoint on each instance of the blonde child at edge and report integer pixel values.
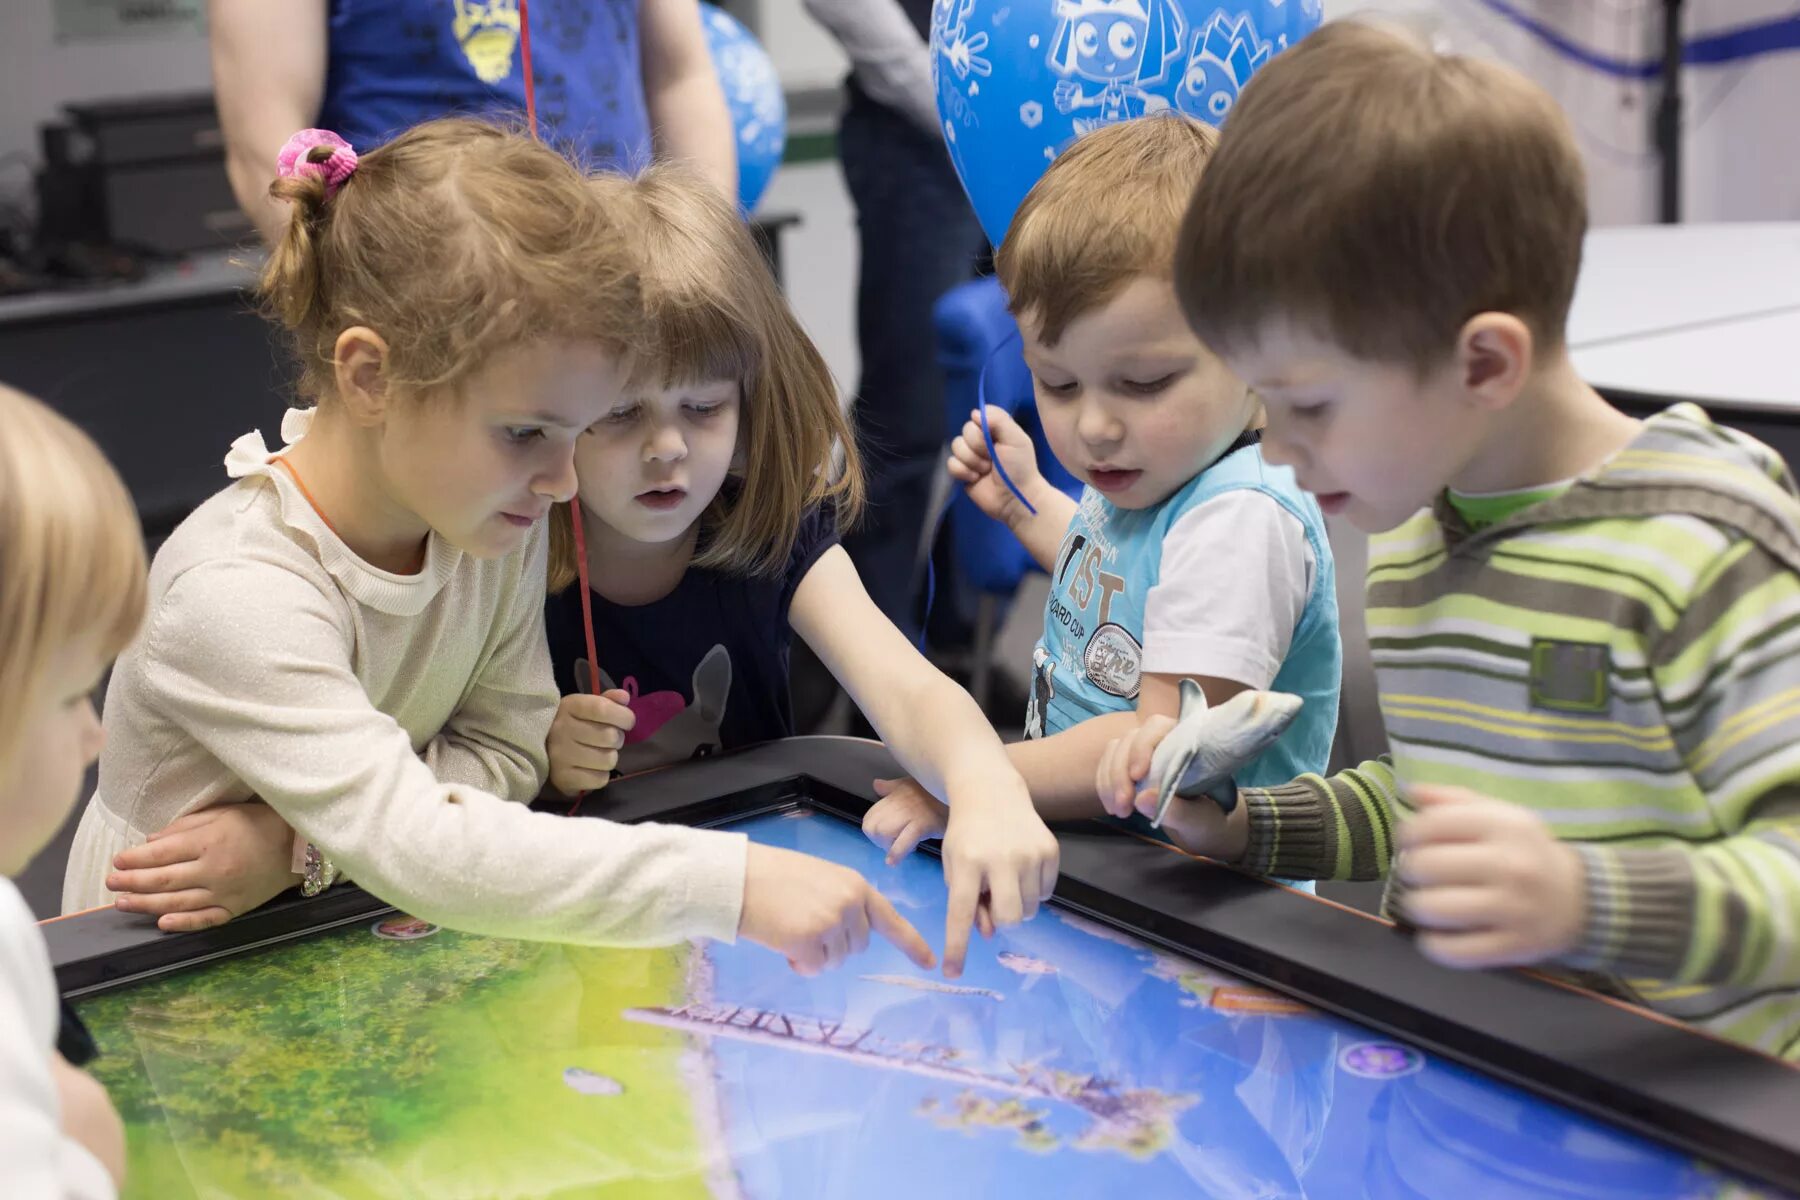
(71, 595)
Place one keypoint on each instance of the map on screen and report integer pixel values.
(1070, 1059)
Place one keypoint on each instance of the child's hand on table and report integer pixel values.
(207, 867)
(817, 914)
(970, 465)
(1000, 860)
(1487, 883)
(905, 815)
(88, 1116)
(585, 739)
(1198, 826)
(999, 863)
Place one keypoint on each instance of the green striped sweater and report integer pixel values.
(1623, 659)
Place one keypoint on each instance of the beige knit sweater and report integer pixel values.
(390, 719)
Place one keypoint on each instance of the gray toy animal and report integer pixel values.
(1209, 745)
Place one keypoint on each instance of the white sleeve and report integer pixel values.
(36, 1159)
(83, 1177)
(1236, 574)
(888, 57)
(496, 741)
(247, 658)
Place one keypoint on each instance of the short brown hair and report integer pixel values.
(1105, 212)
(71, 556)
(1379, 194)
(711, 309)
(454, 241)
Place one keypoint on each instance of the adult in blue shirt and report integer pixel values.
(617, 80)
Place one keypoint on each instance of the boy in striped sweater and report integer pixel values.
(1585, 628)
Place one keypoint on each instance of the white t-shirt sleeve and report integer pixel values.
(889, 58)
(1236, 574)
(83, 1178)
(36, 1159)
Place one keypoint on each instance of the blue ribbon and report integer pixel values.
(987, 434)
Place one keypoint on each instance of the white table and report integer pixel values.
(1738, 367)
(1693, 312)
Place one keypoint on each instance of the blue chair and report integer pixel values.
(974, 331)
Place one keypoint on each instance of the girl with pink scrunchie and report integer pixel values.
(343, 669)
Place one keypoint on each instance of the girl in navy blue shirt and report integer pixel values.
(710, 502)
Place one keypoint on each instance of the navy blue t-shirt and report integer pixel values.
(392, 64)
(707, 664)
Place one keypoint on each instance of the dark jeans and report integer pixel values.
(919, 239)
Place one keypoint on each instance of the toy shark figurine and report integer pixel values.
(1208, 745)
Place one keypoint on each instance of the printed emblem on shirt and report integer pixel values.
(1088, 620)
(488, 33)
(1114, 661)
(1571, 676)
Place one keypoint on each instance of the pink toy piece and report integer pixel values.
(653, 711)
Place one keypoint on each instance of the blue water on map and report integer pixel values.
(1082, 1062)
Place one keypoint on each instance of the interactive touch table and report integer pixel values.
(1168, 1028)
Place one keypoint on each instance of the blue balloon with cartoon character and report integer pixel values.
(1018, 80)
(1224, 56)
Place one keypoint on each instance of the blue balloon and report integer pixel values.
(753, 94)
(1018, 80)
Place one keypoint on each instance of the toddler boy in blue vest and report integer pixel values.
(1187, 555)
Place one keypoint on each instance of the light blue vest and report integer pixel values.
(1089, 660)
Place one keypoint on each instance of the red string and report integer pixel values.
(587, 611)
(525, 51)
(581, 563)
(587, 598)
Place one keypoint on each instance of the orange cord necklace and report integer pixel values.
(300, 483)
(284, 464)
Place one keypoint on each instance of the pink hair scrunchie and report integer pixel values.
(293, 161)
